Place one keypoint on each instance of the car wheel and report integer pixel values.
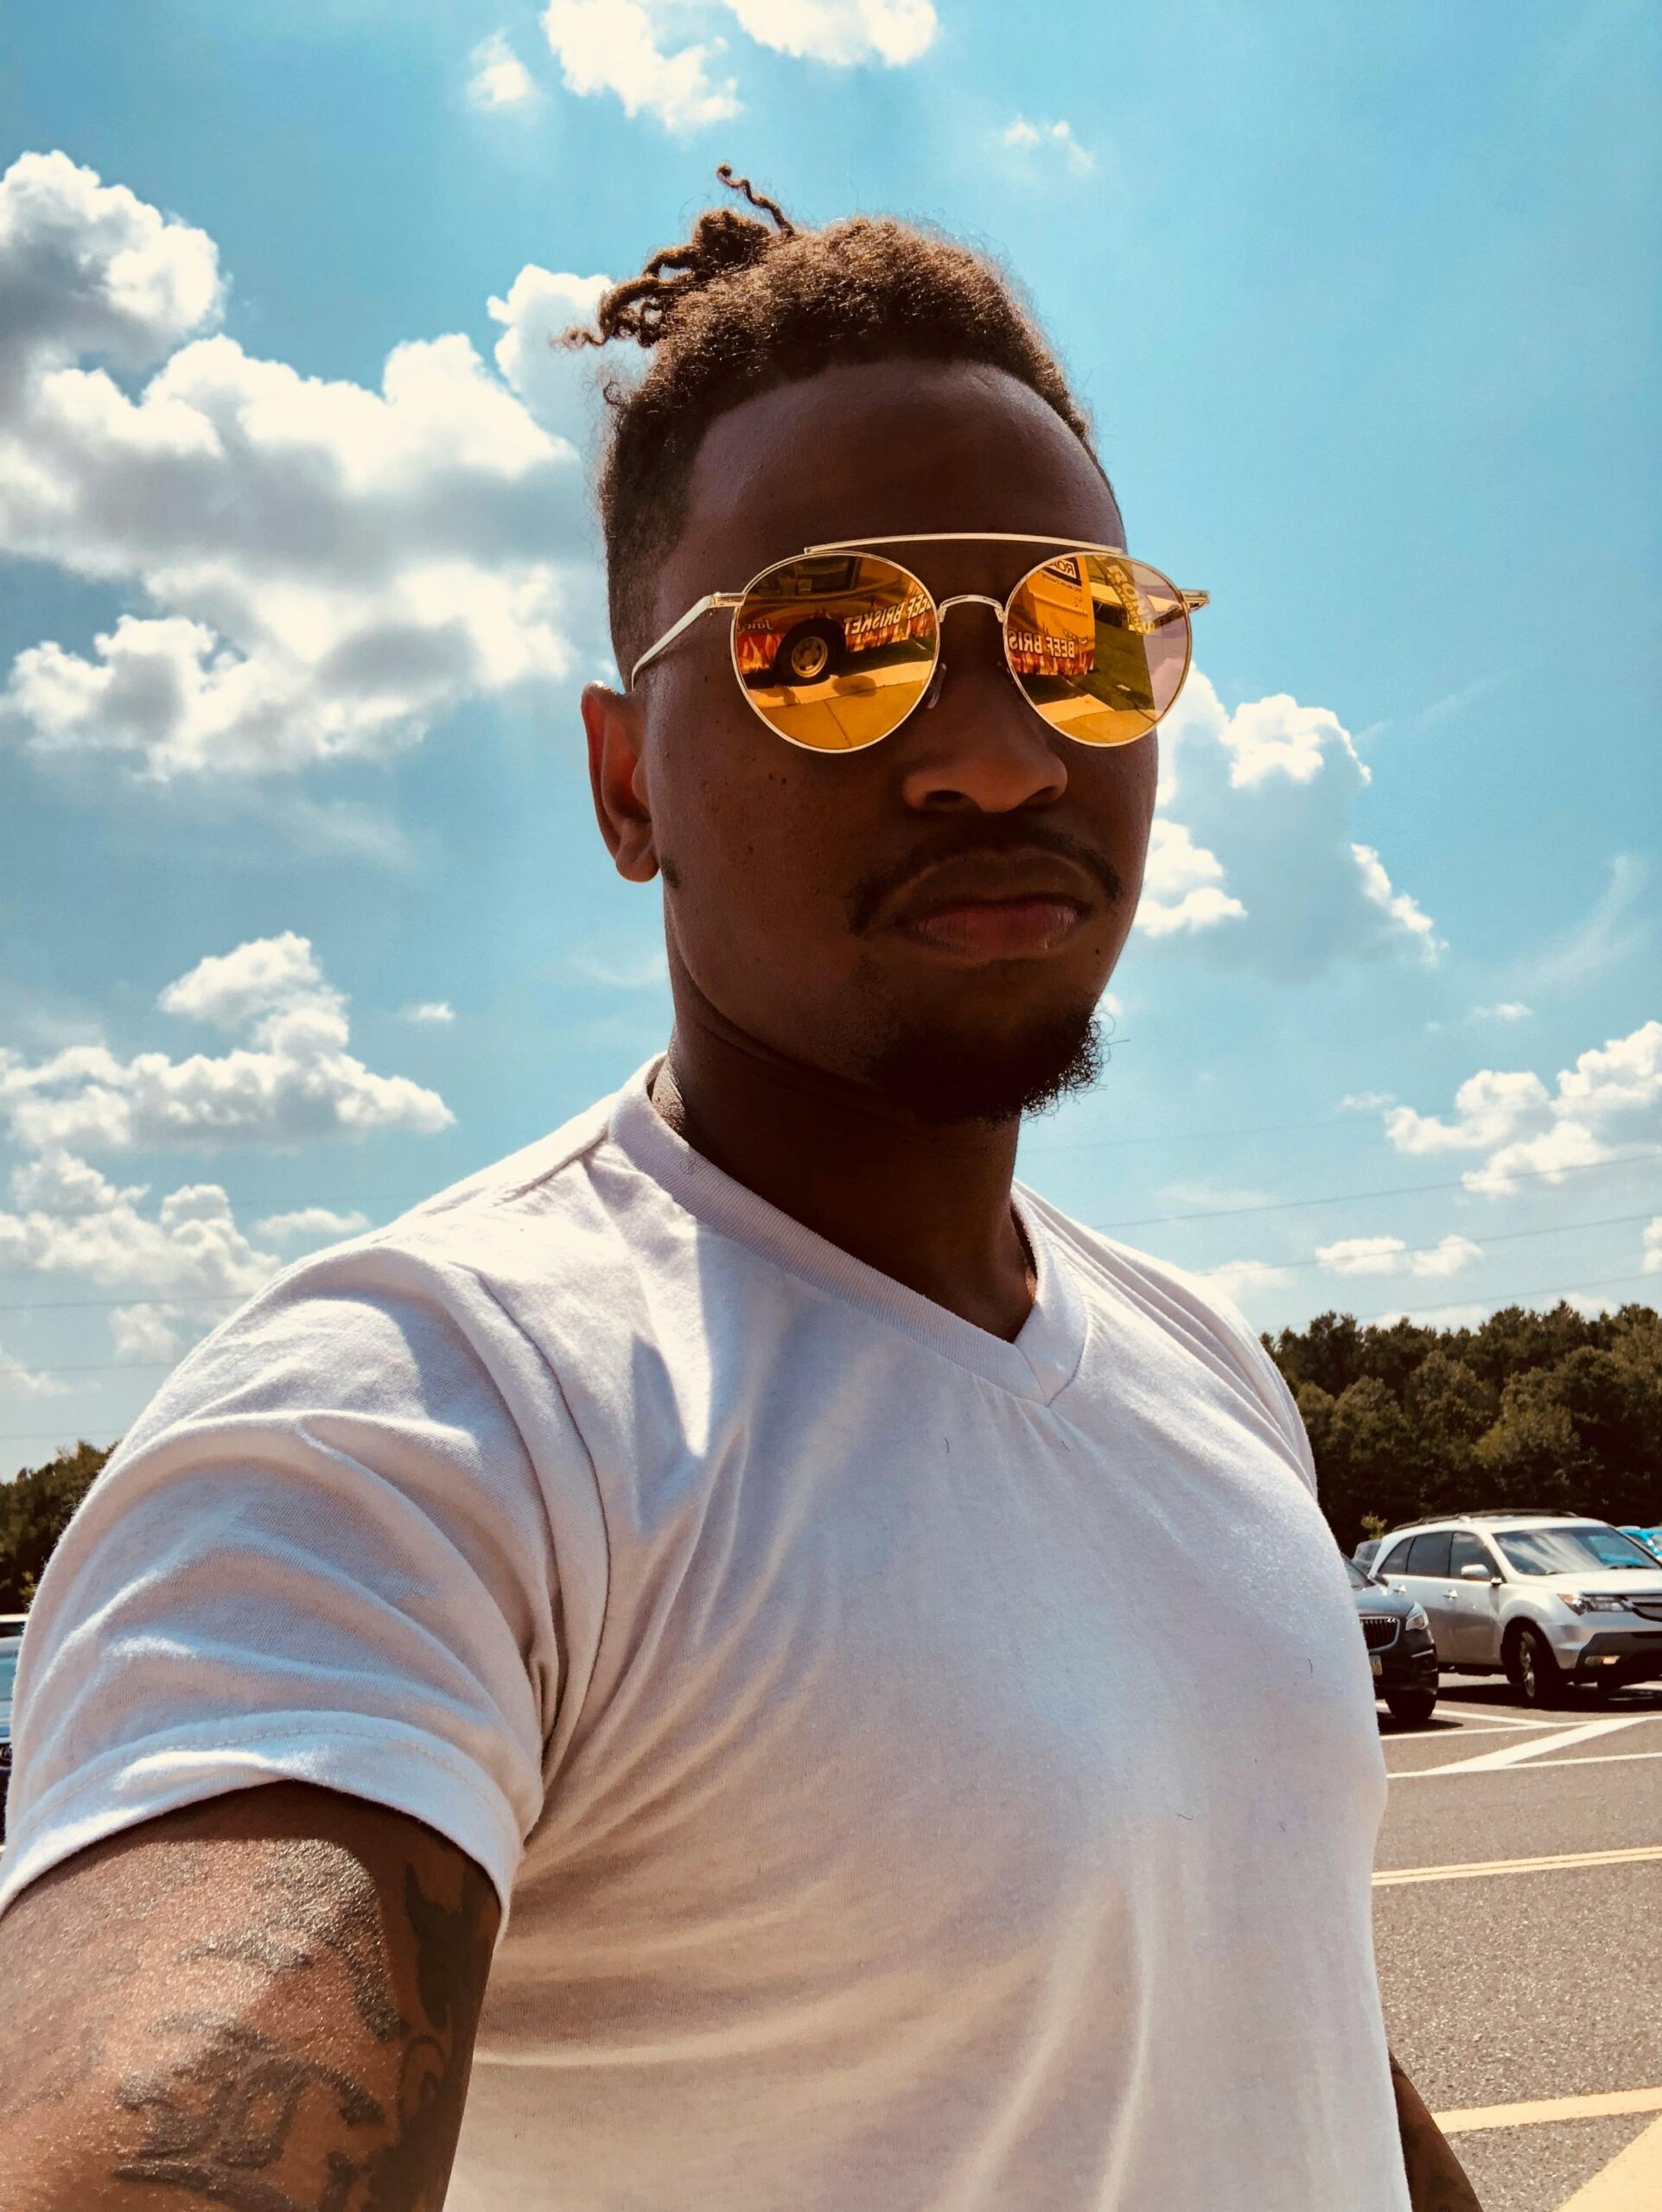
(1533, 1671)
(1411, 1707)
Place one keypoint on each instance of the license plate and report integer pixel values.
(1377, 1663)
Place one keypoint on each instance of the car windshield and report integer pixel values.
(1572, 1551)
(8, 1674)
(1359, 1579)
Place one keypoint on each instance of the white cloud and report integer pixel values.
(146, 1334)
(1366, 1102)
(611, 46)
(1503, 1010)
(1254, 830)
(326, 568)
(17, 1381)
(1622, 1076)
(1469, 1316)
(1057, 138)
(1527, 1130)
(1609, 934)
(617, 970)
(293, 1082)
(1546, 1157)
(1403, 910)
(540, 304)
(68, 1218)
(310, 1225)
(1653, 1245)
(228, 990)
(1488, 1107)
(841, 31)
(1391, 1255)
(429, 1010)
(1236, 1279)
(500, 79)
(88, 269)
(1181, 885)
(628, 48)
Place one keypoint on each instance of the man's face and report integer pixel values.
(937, 915)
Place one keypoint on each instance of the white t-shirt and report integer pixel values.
(924, 1773)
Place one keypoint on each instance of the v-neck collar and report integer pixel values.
(1040, 1362)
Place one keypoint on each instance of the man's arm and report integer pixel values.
(266, 2002)
(1436, 2180)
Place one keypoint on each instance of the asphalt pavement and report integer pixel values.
(1517, 1906)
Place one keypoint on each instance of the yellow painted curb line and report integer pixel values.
(1607, 2107)
(1630, 2182)
(1392, 1875)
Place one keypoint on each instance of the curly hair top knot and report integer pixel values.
(745, 306)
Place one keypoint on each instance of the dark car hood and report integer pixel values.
(1378, 1600)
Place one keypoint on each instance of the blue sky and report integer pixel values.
(302, 908)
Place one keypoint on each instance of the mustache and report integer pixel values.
(993, 837)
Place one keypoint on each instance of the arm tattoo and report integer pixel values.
(306, 1921)
(220, 2119)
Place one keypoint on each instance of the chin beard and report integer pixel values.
(942, 1077)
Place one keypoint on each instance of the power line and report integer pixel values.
(1355, 1197)
(1551, 1290)
(1186, 1136)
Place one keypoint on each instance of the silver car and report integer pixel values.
(1549, 1599)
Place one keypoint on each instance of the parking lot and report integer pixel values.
(1519, 1896)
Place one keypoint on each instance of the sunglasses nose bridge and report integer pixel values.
(942, 607)
(970, 599)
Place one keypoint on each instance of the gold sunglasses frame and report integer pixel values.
(1190, 601)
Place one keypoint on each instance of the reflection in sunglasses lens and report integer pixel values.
(1099, 644)
(836, 649)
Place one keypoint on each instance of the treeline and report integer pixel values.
(1548, 1410)
(1553, 1411)
(34, 1510)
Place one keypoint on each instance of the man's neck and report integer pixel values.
(928, 1206)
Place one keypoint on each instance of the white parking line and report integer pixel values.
(1442, 1735)
(1489, 1713)
(1514, 1754)
(1535, 1766)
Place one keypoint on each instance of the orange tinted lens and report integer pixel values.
(836, 649)
(1099, 644)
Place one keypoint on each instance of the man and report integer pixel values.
(842, 1665)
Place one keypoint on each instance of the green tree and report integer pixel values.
(34, 1510)
(1560, 1410)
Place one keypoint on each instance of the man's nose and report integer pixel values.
(975, 744)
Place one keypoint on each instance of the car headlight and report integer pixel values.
(1418, 1617)
(1593, 1601)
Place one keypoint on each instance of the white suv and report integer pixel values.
(1546, 1599)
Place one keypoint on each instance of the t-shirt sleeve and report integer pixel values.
(1262, 1375)
(343, 1545)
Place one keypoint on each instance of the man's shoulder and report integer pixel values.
(525, 1182)
(449, 1250)
(1183, 1307)
(1164, 1289)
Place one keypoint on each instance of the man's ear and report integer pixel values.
(617, 777)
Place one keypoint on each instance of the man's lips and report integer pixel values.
(995, 929)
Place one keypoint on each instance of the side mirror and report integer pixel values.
(1473, 1572)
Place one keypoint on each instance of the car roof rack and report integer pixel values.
(1489, 1513)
